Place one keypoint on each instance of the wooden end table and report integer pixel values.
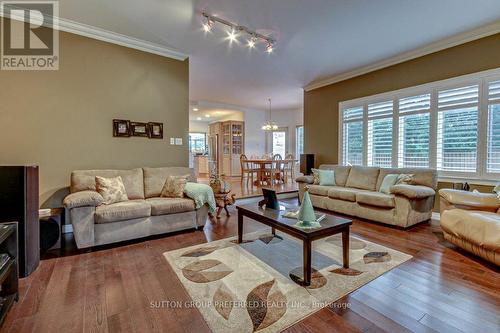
(222, 200)
(330, 225)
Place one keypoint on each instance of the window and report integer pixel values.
(414, 127)
(493, 151)
(380, 134)
(457, 129)
(197, 143)
(279, 143)
(452, 126)
(299, 140)
(353, 136)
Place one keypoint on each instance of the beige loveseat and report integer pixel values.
(357, 194)
(143, 215)
(471, 221)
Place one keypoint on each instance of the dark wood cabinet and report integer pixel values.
(19, 203)
(9, 280)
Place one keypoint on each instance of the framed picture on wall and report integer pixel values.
(121, 128)
(138, 129)
(155, 130)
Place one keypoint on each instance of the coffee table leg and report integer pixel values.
(345, 247)
(240, 227)
(273, 231)
(307, 262)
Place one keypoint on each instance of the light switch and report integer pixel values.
(178, 141)
(172, 141)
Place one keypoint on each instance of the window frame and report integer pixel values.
(482, 79)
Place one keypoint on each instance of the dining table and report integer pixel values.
(264, 165)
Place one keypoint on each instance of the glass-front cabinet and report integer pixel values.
(232, 141)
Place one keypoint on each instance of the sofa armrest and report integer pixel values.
(413, 191)
(470, 200)
(82, 219)
(83, 199)
(305, 179)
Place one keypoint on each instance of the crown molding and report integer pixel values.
(108, 36)
(443, 44)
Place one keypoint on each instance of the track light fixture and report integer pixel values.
(236, 30)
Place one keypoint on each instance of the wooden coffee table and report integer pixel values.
(330, 225)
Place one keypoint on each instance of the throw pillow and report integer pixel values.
(174, 187)
(389, 181)
(327, 177)
(315, 176)
(112, 190)
(496, 189)
(405, 178)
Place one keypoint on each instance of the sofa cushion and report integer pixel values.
(155, 178)
(133, 180)
(376, 199)
(304, 179)
(343, 193)
(122, 211)
(341, 172)
(363, 177)
(480, 228)
(421, 176)
(166, 206)
(318, 189)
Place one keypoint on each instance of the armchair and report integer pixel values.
(471, 221)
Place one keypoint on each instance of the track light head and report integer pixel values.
(231, 35)
(270, 47)
(251, 42)
(209, 23)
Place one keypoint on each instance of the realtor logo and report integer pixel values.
(30, 35)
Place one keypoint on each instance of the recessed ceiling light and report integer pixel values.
(207, 116)
(199, 118)
(195, 109)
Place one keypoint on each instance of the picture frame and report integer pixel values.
(121, 128)
(139, 129)
(155, 130)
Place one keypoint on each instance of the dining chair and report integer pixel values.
(289, 167)
(246, 168)
(276, 171)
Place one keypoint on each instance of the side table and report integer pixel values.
(222, 200)
(48, 231)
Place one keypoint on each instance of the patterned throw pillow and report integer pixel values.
(111, 189)
(405, 178)
(315, 176)
(174, 187)
(389, 180)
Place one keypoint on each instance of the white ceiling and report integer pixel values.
(315, 38)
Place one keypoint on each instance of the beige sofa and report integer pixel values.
(357, 194)
(143, 215)
(471, 221)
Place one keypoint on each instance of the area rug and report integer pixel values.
(247, 287)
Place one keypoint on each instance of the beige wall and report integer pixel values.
(321, 105)
(62, 120)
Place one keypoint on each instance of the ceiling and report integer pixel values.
(315, 38)
(208, 115)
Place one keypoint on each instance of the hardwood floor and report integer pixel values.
(116, 289)
(247, 189)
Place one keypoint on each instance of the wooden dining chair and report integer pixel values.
(289, 167)
(246, 168)
(276, 171)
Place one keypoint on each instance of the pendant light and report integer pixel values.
(270, 125)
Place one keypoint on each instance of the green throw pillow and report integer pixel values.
(389, 181)
(327, 177)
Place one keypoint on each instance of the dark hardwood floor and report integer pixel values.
(112, 289)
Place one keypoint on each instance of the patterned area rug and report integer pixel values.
(249, 287)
